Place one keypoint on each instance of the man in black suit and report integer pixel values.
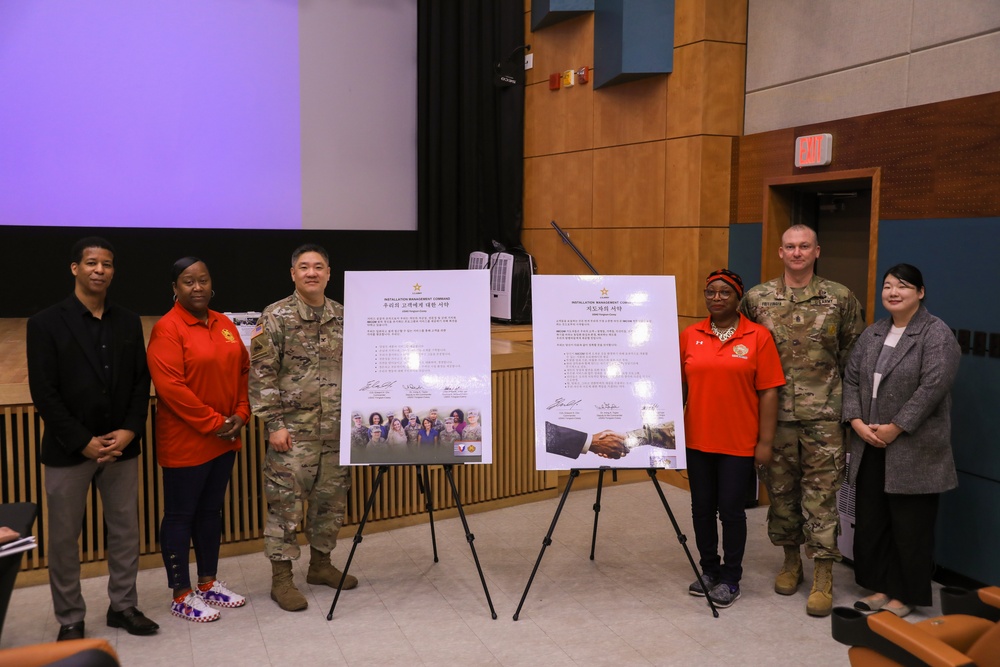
(90, 384)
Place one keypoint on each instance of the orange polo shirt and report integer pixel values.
(722, 380)
(200, 374)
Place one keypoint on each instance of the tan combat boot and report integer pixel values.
(821, 596)
(788, 580)
(283, 590)
(322, 572)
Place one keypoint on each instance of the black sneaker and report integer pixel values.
(724, 595)
(709, 581)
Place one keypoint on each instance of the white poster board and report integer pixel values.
(245, 322)
(607, 372)
(416, 348)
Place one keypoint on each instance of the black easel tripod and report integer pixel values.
(547, 540)
(424, 484)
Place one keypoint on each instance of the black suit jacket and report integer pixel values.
(68, 386)
(564, 441)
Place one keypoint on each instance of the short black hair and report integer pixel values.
(181, 265)
(310, 247)
(76, 254)
(907, 273)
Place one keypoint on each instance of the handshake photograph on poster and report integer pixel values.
(608, 444)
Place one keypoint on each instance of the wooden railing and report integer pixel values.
(511, 476)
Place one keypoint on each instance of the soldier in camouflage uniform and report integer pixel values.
(815, 323)
(359, 432)
(295, 389)
(412, 431)
(448, 434)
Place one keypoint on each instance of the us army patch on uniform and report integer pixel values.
(259, 344)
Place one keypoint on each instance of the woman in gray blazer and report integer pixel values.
(897, 401)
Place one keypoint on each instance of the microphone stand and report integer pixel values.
(567, 241)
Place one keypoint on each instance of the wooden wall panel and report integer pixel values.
(690, 254)
(628, 251)
(761, 156)
(631, 112)
(714, 20)
(938, 160)
(678, 128)
(684, 322)
(629, 183)
(706, 90)
(698, 181)
(561, 121)
(552, 256)
(558, 187)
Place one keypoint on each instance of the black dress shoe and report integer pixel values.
(70, 631)
(132, 620)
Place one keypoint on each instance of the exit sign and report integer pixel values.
(815, 150)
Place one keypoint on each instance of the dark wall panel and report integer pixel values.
(744, 252)
(957, 257)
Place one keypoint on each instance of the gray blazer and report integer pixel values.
(915, 395)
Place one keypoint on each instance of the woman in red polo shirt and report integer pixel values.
(731, 374)
(199, 368)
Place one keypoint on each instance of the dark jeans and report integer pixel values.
(893, 536)
(719, 488)
(192, 513)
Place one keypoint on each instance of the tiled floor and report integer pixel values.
(627, 607)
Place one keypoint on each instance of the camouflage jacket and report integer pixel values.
(295, 369)
(814, 328)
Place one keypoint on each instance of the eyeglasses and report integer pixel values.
(721, 294)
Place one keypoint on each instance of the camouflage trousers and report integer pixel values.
(310, 473)
(802, 481)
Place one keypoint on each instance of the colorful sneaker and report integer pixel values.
(218, 595)
(709, 581)
(193, 608)
(724, 595)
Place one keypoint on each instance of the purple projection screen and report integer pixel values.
(227, 114)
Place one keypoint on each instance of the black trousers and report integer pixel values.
(893, 536)
(719, 487)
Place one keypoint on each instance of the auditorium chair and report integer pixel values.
(71, 653)
(967, 634)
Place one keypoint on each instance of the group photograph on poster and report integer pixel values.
(415, 434)
(607, 373)
(416, 376)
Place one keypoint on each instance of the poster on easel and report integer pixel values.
(417, 387)
(607, 372)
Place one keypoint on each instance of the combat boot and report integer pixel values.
(788, 580)
(821, 596)
(322, 572)
(283, 590)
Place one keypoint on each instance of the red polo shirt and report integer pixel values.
(200, 374)
(722, 380)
